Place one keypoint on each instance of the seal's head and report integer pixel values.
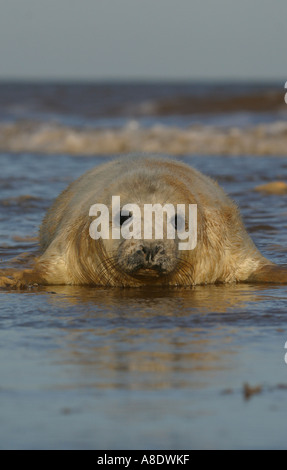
(142, 247)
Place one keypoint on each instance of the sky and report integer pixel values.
(143, 39)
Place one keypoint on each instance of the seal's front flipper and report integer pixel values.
(20, 279)
(270, 273)
(6, 281)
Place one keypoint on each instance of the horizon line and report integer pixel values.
(206, 80)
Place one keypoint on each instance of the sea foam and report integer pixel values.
(52, 138)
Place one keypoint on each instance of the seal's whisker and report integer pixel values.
(112, 266)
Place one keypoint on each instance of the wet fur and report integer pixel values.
(69, 256)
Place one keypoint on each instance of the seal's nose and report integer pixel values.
(148, 259)
(151, 251)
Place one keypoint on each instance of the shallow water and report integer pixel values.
(98, 369)
(136, 368)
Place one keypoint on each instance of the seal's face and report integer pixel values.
(145, 224)
(146, 260)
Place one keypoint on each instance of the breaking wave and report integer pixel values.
(52, 138)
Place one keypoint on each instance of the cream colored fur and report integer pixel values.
(224, 253)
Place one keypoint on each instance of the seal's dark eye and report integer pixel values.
(124, 218)
(178, 222)
(175, 222)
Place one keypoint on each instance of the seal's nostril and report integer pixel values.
(147, 251)
(151, 252)
(156, 249)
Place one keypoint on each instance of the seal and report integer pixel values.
(69, 255)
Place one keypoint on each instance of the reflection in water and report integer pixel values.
(150, 338)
